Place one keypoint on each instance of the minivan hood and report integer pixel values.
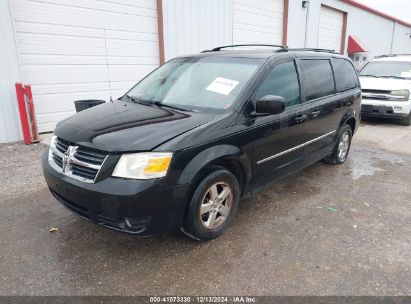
(385, 84)
(125, 126)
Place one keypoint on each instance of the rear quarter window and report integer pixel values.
(345, 75)
(318, 78)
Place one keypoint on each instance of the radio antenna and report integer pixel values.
(108, 70)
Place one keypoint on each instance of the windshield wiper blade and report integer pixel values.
(156, 103)
(392, 76)
(369, 75)
(130, 97)
(139, 100)
(159, 104)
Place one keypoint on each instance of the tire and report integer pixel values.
(342, 147)
(406, 121)
(206, 219)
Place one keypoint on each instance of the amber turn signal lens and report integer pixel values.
(157, 165)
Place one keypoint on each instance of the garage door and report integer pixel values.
(331, 27)
(258, 21)
(63, 46)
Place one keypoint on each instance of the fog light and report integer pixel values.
(397, 109)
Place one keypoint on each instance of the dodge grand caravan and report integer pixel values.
(182, 146)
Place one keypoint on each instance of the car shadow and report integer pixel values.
(374, 121)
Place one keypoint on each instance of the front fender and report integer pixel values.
(212, 155)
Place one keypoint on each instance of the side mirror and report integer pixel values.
(269, 105)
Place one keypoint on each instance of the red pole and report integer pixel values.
(23, 113)
(35, 137)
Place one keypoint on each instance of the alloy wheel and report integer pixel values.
(343, 146)
(216, 205)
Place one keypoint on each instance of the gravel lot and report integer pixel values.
(284, 241)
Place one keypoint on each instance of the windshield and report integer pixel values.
(396, 69)
(210, 84)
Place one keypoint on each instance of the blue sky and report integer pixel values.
(396, 8)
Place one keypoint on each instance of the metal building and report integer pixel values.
(80, 49)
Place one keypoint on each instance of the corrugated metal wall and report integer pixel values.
(258, 21)
(296, 24)
(374, 31)
(63, 45)
(9, 74)
(62, 49)
(330, 29)
(191, 26)
(402, 39)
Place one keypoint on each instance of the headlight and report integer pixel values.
(400, 95)
(143, 165)
(52, 146)
(53, 140)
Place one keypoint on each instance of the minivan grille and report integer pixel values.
(62, 145)
(78, 162)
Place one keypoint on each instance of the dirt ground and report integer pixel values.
(285, 241)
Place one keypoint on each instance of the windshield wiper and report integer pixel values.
(130, 97)
(369, 75)
(156, 103)
(159, 104)
(395, 77)
(139, 100)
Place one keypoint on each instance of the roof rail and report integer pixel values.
(216, 49)
(307, 50)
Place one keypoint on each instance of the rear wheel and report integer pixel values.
(406, 121)
(342, 147)
(213, 206)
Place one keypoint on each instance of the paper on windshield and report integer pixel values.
(406, 74)
(222, 85)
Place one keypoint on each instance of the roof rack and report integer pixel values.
(282, 48)
(307, 50)
(216, 49)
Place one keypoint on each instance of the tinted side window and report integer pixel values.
(318, 78)
(345, 75)
(282, 81)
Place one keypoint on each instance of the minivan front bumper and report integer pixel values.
(141, 207)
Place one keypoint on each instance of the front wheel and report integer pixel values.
(406, 121)
(213, 206)
(342, 147)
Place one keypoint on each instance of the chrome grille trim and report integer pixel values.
(63, 158)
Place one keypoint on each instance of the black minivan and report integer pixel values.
(181, 147)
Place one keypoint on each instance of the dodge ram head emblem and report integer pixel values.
(68, 156)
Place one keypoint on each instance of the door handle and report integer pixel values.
(315, 113)
(300, 118)
(348, 101)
